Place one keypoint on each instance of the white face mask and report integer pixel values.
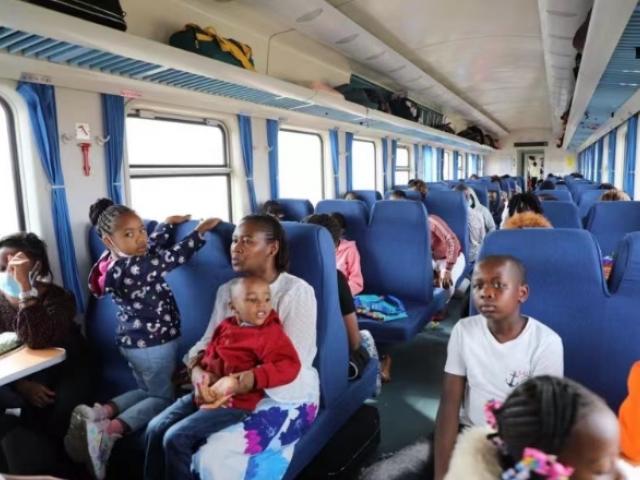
(115, 251)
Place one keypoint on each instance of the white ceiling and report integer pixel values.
(489, 52)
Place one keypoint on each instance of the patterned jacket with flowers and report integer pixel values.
(147, 311)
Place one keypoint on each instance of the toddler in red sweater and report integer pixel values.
(248, 353)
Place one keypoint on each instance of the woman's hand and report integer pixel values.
(208, 224)
(35, 393)
(219, 394)
(19, 267)
(176, 219)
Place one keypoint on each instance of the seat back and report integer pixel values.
(411, 194)
(577, 190)
(562, 214)
(611, 221)
(312, 258)
(437, 186)
(355, 213)
(295, 209)
(396, 255)
(561, 195)
(369, 197)
(567, 293)
(587, 199)
(482, 194)
(451, 206)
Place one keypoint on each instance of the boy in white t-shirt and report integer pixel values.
(492, 353)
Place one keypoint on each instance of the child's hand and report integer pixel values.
(176, 219)
(447, 281)
(208, 224)
(225, 386)
(219, 402)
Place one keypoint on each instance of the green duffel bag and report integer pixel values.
(207, 42)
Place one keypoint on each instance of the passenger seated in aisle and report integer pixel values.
(273, 208)
(475, 221)
(41, 314)
(615, 195)
(491, 353)
(361, 344)
(527, 220)
(251, 340)
(348, 257)
(629, 416)
(259, 248)
(352, 196)
(489, 223)
(419, 186)
(132, 271)
(548, 427)
(522, 202)
(448, 259)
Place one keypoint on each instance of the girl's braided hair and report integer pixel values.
(104, 215)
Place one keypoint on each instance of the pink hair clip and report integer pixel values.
(539, 462)
(490, 409)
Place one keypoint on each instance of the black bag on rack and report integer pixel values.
(404, 107)
(105, 12)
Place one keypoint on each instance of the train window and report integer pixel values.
(447, 173)
(300, 165)
(178, 167)
(620, 153)
(11, 218)
(363, 165)
(402, 173)
(461, 164)
(605, 159)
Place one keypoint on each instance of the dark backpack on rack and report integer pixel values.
(105, 12)
(404, 107)
(474, 134)
(207, 42)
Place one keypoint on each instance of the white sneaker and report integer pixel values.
(75, 440)
(99, 446)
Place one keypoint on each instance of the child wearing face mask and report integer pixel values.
(133, 271)
(251, 340)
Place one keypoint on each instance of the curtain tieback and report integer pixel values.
(55, 187)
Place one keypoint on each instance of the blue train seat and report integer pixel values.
(451, 206)
(355, 213)
(194, 285)
(369, 197)
(396, 260)
(562, 214)
(437, 186)
(586, 200)
(611, 221)
(295, 209)
(568, 293)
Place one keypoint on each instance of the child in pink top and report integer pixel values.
(348, 259)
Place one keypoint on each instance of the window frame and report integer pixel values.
(375, 160)
(182, 170)
(402, 169)
(323, 189)
(14, 163)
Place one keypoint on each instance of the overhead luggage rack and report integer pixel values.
(40, 34)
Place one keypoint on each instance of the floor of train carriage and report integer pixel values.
(409, 403)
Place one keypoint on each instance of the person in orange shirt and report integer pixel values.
(629, 416)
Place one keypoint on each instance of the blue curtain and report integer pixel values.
(456, 164)
(335, 160)
(440, 164)
(113, 118)
(246, 143)
(348, 148)
(394, 153)
(427, 158)
(417, 154)
(273, 128)
(41, 102)
(612, 154)
(385, 164)
(630, 155)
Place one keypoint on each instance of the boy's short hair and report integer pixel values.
(327, 221)
(398, 194)
(509, 259)
(339, 217)
(235, 282)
